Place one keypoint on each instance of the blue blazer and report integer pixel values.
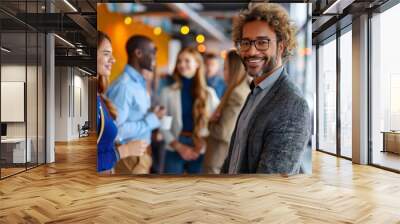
(106, 134)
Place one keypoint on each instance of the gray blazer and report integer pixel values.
(279, 131)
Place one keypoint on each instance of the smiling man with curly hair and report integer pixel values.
(274, 126)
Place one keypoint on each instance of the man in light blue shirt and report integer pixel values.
(129, 95)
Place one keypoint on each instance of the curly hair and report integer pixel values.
(277, 18)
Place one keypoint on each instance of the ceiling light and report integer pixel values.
(223, 54)
(70, 5)
(128, 20)
(84, 71)
(79, 51)
(337, 7)
(5, 50)
(201, 48)
(195, 6)
(65, 41)
(185, 30)
(157, 31)
(200, 38)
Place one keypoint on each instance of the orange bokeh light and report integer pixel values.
(201, 48)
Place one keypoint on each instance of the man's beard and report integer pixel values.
(269, 65)
(146, 63)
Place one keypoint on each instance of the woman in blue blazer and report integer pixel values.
(108, 153)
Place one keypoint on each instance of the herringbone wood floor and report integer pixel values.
(70, 191)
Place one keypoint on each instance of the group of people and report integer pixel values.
(251, 120)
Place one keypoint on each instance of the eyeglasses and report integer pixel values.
(260, 44)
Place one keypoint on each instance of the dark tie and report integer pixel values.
(254, 89)
(252, 86)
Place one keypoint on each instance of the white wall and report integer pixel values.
(79, 117)
(71, 93)
(34, 125)
(16, 73)
(11, 73)
(61, 103)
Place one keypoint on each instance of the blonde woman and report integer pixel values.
(190, 102)
(224, 118)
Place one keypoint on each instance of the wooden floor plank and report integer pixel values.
(70, 191)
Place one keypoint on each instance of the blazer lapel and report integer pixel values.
(267, 98)
(235, 129)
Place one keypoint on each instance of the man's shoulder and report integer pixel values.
(289, 97)
(117, 84)
(122, 85)
(290, 89)
(124, 79)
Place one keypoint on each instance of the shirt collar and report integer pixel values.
(268, 82)
(134, 74)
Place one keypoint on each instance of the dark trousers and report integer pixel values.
(175, 164)
(158, 155)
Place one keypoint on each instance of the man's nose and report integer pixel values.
(252, 50)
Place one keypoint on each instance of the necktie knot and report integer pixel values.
(252, 86)
(254, 89)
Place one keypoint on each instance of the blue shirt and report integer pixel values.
(253, 100)
(218, 84)
(106, 132)
(129, 95)
(187, 104)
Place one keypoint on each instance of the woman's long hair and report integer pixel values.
(199, 92)
(237, 75)
(102, 82)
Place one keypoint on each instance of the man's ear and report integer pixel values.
(138, 53)
(281, 47)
